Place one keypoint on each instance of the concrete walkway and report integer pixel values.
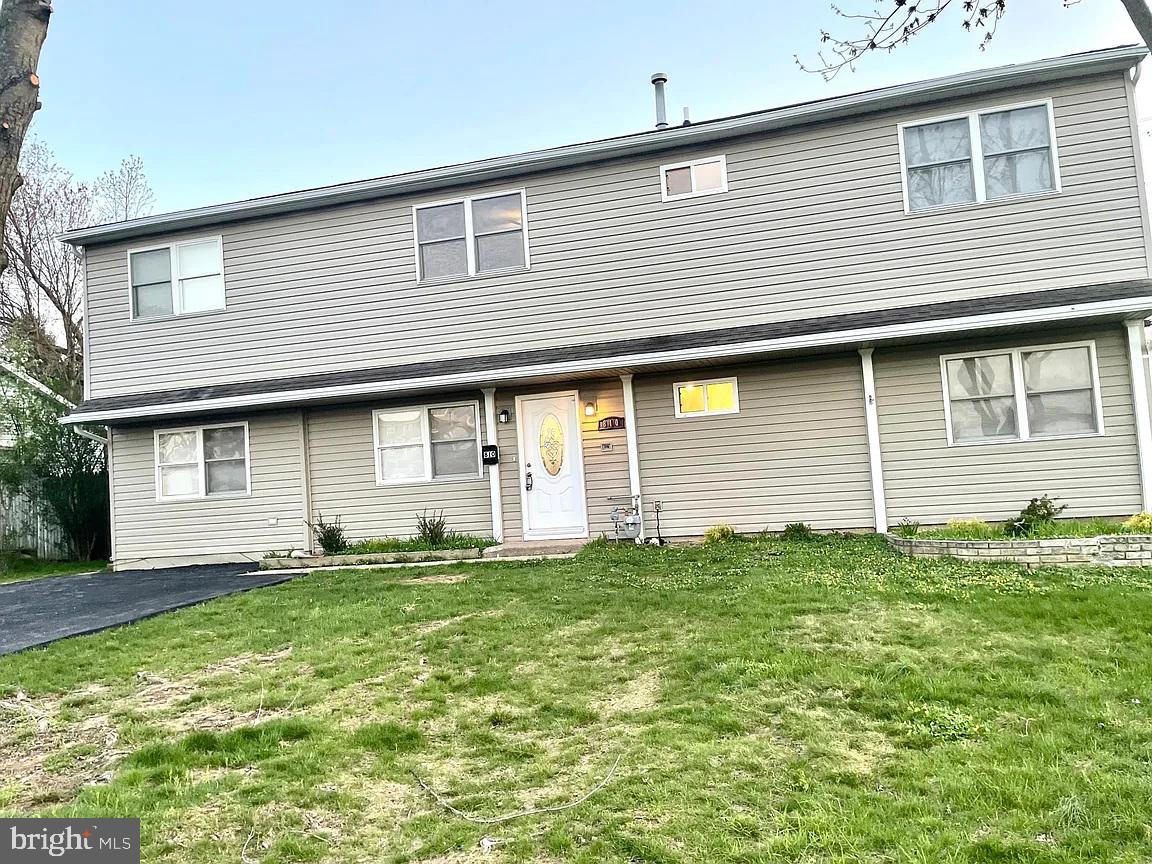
(40, 611)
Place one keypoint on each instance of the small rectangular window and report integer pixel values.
(701, 398)
(202, 462)
(689, 179)
(1022, 394)
(471, 237)
(177, 279)
(419, 444)
(979, 157)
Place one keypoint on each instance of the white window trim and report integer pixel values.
(202, 495)
(1023, 432)
(470, 237)
(172, 247)
(664, 169)
(977, 156)
(707, 412)
(426, 443)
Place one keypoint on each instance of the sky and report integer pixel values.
(226, 100)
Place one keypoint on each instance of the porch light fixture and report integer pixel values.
(589, 409)
(504, 416)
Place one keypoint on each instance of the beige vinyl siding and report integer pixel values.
(797, 451)
(812, 224)
(233, 528)
(927, 481)
(605, 471)
(343, 478)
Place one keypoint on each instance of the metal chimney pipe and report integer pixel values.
(658, 81)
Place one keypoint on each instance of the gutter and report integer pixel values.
(652, 141)
(1131, 306)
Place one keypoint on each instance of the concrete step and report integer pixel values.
(535, 548)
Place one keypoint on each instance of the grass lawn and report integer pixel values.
(767, 701)
(19, 569)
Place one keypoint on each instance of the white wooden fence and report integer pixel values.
(24, 525)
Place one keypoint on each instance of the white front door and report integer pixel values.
(551, 467)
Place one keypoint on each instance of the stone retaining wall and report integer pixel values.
(1120, 550)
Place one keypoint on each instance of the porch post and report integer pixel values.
(1139, 379)
(872, 422)
(493, 470)
(633, 450)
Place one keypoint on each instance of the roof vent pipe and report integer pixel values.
(658, 81)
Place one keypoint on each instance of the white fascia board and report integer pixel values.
(505, 377)
(650, 141)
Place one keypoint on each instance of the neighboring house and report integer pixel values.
(921, 302)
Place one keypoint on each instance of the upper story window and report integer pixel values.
(202, 462)
(701, 398)
(178, 278)
(472, 236)
(689, 179)
(979, 157)
(1050, 391)
(434, 442)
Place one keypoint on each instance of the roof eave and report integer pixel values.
(836, 108)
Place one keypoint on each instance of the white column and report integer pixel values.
(872, 422)
(633, 449)
(306, 481)
(493, 470)
(1139, 377)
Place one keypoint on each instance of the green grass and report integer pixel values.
(415, 544)
(769, 701)
(973, 529)
(13, 569)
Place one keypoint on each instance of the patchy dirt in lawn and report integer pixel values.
(436, 579)
(639, 694)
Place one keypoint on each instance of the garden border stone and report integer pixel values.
(373, 558)
(1110, 550)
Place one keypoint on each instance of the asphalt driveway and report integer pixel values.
(40, 611)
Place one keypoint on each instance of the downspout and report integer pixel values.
(495, 490)
(633, 451)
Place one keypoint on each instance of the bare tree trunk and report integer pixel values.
(23, 26)
(1141, 16)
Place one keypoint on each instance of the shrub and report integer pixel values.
(329, 535)
(907, 528)
(1141, 523)
(798, 531)
(1040, 511)
(970, 529)
(433, 529)
(719, 533)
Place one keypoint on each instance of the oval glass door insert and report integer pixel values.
(552, 444)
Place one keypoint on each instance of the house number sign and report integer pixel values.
(607, 424)
(490, 454)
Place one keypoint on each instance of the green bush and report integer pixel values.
(1039, 511)
(798, 531)
(329, 535)
(1141, 523)
(719, 533)
(433, 529)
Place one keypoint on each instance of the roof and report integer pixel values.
(1114, 298)
(650, 141)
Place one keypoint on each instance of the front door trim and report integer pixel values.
(578, 449)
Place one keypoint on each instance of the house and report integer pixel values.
(921, 302)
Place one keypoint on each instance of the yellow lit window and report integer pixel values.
(694, 398)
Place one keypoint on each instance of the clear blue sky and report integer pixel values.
(228, 100)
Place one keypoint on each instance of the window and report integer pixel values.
(471, 237)
(1022, 394)
(177, 279)
(415, 445)
(700, 398)
(688, 179)
(979, 157)
(202, 462)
